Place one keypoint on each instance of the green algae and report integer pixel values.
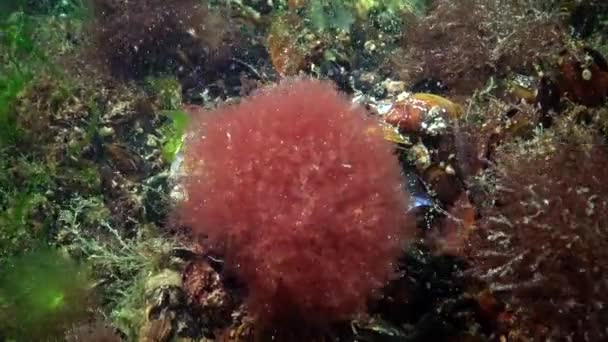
(15, 74)
(173, 134)
(41, 294)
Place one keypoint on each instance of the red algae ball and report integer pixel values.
(298, 189)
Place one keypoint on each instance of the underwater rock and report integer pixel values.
(548, 97)
(368, 83)
(585, 17)
(157, 330)
(123, 160)
(429, 85)
(208, 297)
(165, 303)
(156, 198)
(95, 331)
(426, 302)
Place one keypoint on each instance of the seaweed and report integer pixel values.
(42, 293)
(24, 185)
(15, 38)
(135, 39)
(174, 134)
(123, 265)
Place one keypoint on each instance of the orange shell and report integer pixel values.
(409, 113)
(453, 110)
(406, 116)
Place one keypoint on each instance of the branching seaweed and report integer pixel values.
(122, 265)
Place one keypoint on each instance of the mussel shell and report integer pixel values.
(446, 186)
(422, 206)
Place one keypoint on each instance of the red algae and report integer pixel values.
(138, 38)
(541, 239)
(299, 191)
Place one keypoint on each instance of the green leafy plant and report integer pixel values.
(174, 134)
(168, 93)
(18, 60)
(16, 233)
(167, 90)
(23, 185)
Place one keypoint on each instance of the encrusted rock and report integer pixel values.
(206, 293)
